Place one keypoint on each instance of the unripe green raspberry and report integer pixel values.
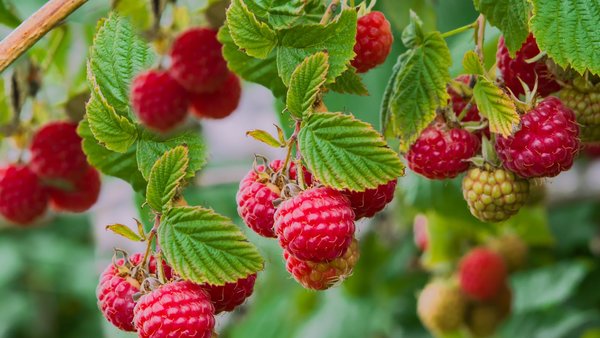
(441, 307)
(494, 195)
(583, 98)
(513, 250)
(483, 318)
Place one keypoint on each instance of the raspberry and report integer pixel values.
(229, 296)
(316, 225)
(545, 145)
(512, 249)
(322, 275)
(420, 232)
(494, 195)
(56, 152)
(175, 310)
(196, 60)
(583, 98)
(441, 307)
(514, 69)
(592, 149)
(371, 201)
(373, 41)
(483, 318)
(441, 153)
(220, 103)
(83, 195)
(22, 197)
(158, 100)
(459, 100)
(482, 274)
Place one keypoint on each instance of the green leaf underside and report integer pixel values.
(124, 231)
(165, 177)
(346, 153)
(349, 83)
(384, 111)
(256, 38)
(305, 83)
(419, 88)
(265, 137)
(120, 165)
(336, 38)
(472, 63)
(511, 17)
(568, 32)
(116, 55)
(496, 106)
(150, 148)
(205, 247)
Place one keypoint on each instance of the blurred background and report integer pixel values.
(48, 274)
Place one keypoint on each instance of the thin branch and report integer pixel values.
(480, 34)
(34, 28)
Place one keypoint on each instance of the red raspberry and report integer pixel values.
(316, 225)
(514, 69)
(592, 149)
(219, 103)
(460, 100)
(441, 153)
(323, 275)
(175, 310)
(482, 274)
(546, 144)
(371, 201)
(373, 41)
(22, 196)
(158, 100)
(196, 60)
(229, 296)
(420, 232)
(56, 152)
(83, 195)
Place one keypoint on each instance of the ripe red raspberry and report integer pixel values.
(175, 310)
(460, 100)
(83, 195)
(482, 274)
(220, 103)
(196, 60)
(441, 153)
(316, 225)
(514, 69)
(420, 232)
(229, 296)
(371, 201)
(158, 100)
(373, 41)
(56, 152)
(545, 145)
(22, 196)
(323, 275)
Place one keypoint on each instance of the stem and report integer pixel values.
(34, 28)
(290, 144)
(480, 35)
(329, 12)
(459, 30)
(150, 239)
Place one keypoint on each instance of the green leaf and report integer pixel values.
(150, 148)
(472, 63)
(8, 16)
(346, 153)
(412, 35)
(278, 13)
(256, 38)
(532, 226)
(419, 88)
(165, 177)
(568, 32)
(121, 165)
(305, 83)
(6, 114)
(349, 83)
(511, 17)
(337, 39)
(124, 231)
(116, 55)
(496, 106)
(205, 247)
(265, 137)
(138, 11)
(384, 110)
(263, 72)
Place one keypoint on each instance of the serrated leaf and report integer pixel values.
(150, 148)
(121, 165)
(165, 177)
(496, 106)
(116, 55)
(419, 88)
(124, 231)
(345, 153)
(138, 11)
(305, 83)
(412, 35)
(349, 83)
(337, 39)
(384, 110)
(568, 32)
(256, 38)
(263, 72)
(264, 137)
(472, 63)
(205, 247)
(511, 17)
(8, 15)
(278, 13)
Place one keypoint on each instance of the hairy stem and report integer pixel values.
(290, 146)
(151, 237)
(459, 30)
(480, 36)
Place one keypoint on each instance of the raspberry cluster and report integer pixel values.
(57, 174)
(198, 81)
